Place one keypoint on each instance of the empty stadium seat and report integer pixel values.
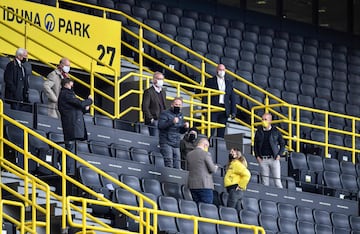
(167, 223)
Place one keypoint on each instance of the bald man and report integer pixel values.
(52, 86)
(227, 100)
(201, 167)
(269, 145)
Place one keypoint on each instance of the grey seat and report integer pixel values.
(266, 40)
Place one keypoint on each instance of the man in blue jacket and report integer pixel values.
(171, 126)
(226, 100)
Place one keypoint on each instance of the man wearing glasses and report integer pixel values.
(269, 145)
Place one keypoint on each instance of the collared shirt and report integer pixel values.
(222, 87)
(157, 89)
(21, 66)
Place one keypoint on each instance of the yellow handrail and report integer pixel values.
(294, 122)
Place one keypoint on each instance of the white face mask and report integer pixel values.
(159, 83)
(66, 69)
(221, 74)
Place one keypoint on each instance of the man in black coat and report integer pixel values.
(154, 103)
(16, 80)
(71, 111)
(227, 100)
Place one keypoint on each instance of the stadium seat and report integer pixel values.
(248, 217)
(266, 40)
(228, 214)
(287, 225)
(186, 193)
(216, 39)
(191, 14)
(279, 52)
(172, 19)
(190, 208)
(250, 204)
(355, 223)
(263, 49)
(268, 222)
(340, 221)
(140, 155)
(348, 168)
(187, 22)
(208, 211)
(167, 223)
(268, 207)
(171, 189)
(304, 227)
(107, 183)
(295, 56)
(322, 217)
(237, 24)
(131, 181)
(323, 229)
(235, 33)
(99, 148)
(280, 43)
(151, 186)
(120, 151)
(176, 11)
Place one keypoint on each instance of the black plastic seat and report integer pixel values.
(322, 217)
(250, 204)
(99, 148)
(248, 217)
(120, 151)
(304, 227)
(190, 208)
(140, 155)
(131, 181)
(268, 222)
(286, 210)
(287, 225)
(167, 223)
(304, 213)
(171, 189)
(340, 221)
(151, 186)
(348, 168)
(268, 207)
(203, 26)
(228, 214)
(207, 210)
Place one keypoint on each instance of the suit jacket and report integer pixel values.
(16, 82)
(72, 110)
(229, 99)
(151, 105)
(201, 167)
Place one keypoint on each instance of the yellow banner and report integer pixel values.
(61, 33)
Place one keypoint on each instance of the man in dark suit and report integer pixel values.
(226, 100)
(71, 111)
(154, 103)
(16, 80)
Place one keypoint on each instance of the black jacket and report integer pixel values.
(229, 99)
(16, 83)
(170, 133)
(276, 141)
(71, 110)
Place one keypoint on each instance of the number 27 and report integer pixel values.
(108, 50)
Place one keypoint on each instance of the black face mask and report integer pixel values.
(24, 60)
(192, 137)
(231, 157)
(176, 110)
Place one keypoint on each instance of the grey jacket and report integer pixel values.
(201, 167)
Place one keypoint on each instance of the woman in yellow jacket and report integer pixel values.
(237, 177)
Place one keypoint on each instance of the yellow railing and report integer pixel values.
(18, 221)
(151, 212)
(144, 215)
(294, 126)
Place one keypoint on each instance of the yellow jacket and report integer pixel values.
(238, 174)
